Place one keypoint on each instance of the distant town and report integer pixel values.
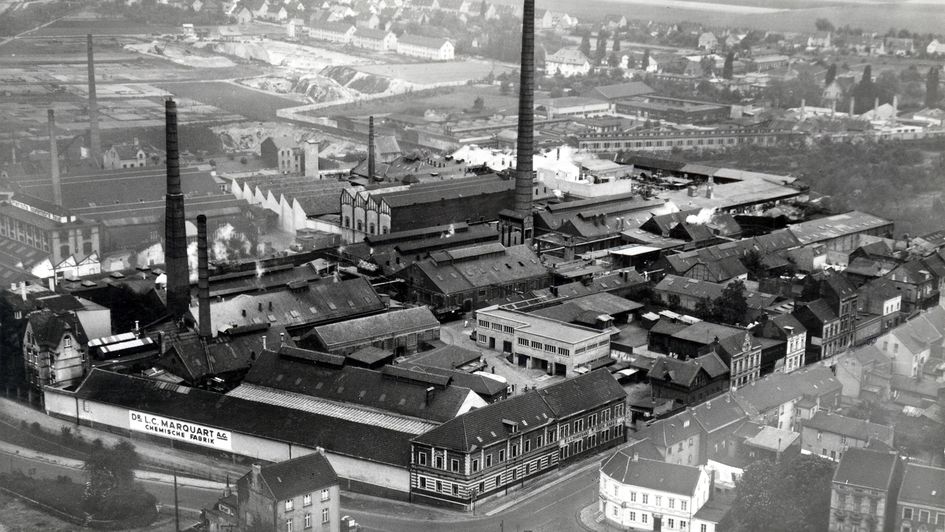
(453, 265)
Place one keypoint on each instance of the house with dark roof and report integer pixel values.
(689, 381)
(831, 435)
(120, 156)
(921, 501)
(824, 337)
(863, 490)
(784, 400)
(476, 276)
(482, 452)
(746, 443)
(687, 293)
(620, 90)
(298, 494)
(786, 354)
(918, 285)
(54, 349)
(402, 332)
(644, 494)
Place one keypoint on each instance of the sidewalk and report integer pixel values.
(184, 462)
(9, 448)
(591, 519)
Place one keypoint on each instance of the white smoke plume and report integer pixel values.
(704, 217)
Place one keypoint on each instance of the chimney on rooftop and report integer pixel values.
(54, 159)
(95, 139)
(203, 279)
(852, 105)
(175, 233)
(429, 396)
(370, 149)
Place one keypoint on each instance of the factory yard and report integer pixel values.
(436, 74)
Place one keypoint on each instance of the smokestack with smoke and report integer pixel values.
(175, 232)
(95, 139)
(54, 159)
(203, 279)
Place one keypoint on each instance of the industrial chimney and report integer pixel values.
(515, 226)
(203, 280)
(526, 114)
(175, 233)
(370, 149)
(95, 139)
(54, 159)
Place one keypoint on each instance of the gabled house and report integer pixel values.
(911, 345)
(708, 41)
(298, 494)
(863, 490)
(54, 351)
(792, 343)
(830, 435)
(567, 62)
(433, 48)
(690, 381)
(124, 156)
(824, 339)
(918, 286)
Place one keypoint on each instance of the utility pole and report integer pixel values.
(176, 507)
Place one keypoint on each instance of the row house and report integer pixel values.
(373, 39)
(432, 48)
(792, 342)
(54, 351)
(910, 345)
(337, 32)
(880, 305)
(831, 435)
(921, 501)
(863, 491)
(785, 400)
(501, 445)
(824, 336)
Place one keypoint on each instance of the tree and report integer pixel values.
(823, 24)
(886, 86)
(931, 88)
(831, 74)
(728, 68)
(704, 310)
(601, 49)
(110, 491)
(616, 42)
(731, 306)
(478, 104)
(613, 60)
(585, 47)
(707, 64)
(645, 62)
(505, 87)
(753, 264)
(792, 495)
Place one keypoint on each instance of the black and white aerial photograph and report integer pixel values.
(472, 265)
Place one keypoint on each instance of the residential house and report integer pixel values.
(283, 153)
(620, 91)
(880, 303)
(918, 286)
(124, 156)
(432, 48)
(298, 494)
(865, 374)
(746, 443)
(687, 293)
(54, 348)
(372, 39)
(824, 339)
(567, 62)
(554, 20)
(785, 400)
(820, 39)
(901, 46)
(644, 494)
(689, 381)
(935, 47)
(921, 501)
(337, 32)
(500, 445)
(678, 439)
(910, 345)
(708, 41)
(863, 491)
(791, 347)
(831, 435)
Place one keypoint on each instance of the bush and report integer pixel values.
(36, 428)
(134, 504)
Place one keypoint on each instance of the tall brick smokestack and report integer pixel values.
(95, 139)
(54, 159)
(175, 233)
(203, 279)
(370, 148)
(526, 113)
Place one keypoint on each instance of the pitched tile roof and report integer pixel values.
(651, 474)
(484, 426)
(866, 469)
(718, 413)
(849, 427)
(302, 475)
(924, 485)
(683, 372)
(48, 327)
(403, 393)
(344, 333)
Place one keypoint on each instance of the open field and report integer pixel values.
(436, 73)
(442, 100)
(232, 98)
(83, 26)
(923, 17)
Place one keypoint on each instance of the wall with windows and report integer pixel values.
(913, 517)
(640, 508)
(850, 504)
(317, 510)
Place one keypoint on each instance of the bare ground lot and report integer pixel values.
(440, 72)
(233, 98)
(444, 99)
(83, 26)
